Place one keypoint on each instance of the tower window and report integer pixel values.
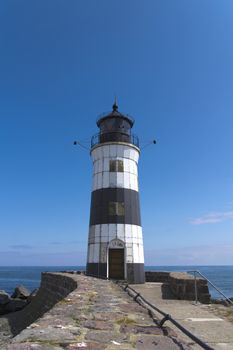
(116, 208)
(116, 165)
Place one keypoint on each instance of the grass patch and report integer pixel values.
(92, 296)
(125, 320)
(229, 315)
(77, 322)
(44, 342)
(133, 340)
(224, 312)
(64, 301)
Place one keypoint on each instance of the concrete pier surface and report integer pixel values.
(204, 321)
(96, 315)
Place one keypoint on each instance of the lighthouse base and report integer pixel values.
(98, 270)
(135, 272)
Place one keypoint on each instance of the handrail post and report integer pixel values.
(218, 290)
(195, 286)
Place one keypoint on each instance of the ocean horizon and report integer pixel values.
(30, 276)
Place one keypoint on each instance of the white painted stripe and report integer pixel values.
(99, 180)
(135, 253)
(128, 230)
(120, 151)
(103, 234)
(121, 232)
(106, 149)
(141, 254)
(91, 253)
(103, 252)
(115, 180)
(112, 180)
(129, 259)
(112, 231)
(127, 153)
(120, 180)
(104, 239)
(129, 251)
(106, 164)
(204, 319)
(114, 150)
(103, 164)
(104, 229)
(96, 253)
(105, 179)
(134, 231)
(91, 237)
(126, 180)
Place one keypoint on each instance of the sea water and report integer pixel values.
(30, 276)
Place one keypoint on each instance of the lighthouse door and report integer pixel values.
(116, 264)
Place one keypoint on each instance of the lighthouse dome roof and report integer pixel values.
(114, 114)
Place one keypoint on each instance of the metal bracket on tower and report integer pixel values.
(153, 142)
(79, 143)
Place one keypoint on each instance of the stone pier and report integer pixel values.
(81, 312)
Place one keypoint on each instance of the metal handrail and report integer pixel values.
(131, 138)
(166, 317)
(218, 290)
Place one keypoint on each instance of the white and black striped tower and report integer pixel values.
(115, 244)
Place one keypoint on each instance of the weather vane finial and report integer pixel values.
(115, 106)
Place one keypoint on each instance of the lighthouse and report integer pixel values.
(115, 242)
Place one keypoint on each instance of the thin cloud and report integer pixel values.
(212, 218)
(68, 242)
(16, 258)
(21, 246)
(218, 254)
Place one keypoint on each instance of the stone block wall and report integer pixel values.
(157, 276)
(54, 287)
(181, 285)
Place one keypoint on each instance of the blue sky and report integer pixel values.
(171, 65)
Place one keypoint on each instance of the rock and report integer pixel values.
(98, 325)
(32, 295)
(135, 329)
(103, 337)
(158, 343)
(19, 299)
(21, 292)
(15, 305)
(32, 346)
(34, 292)
(4, 297)
(221, 301)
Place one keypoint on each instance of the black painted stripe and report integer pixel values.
(100, 206)
(135, 272)
(97, 270)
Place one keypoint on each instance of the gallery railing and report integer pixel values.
(114, 137)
